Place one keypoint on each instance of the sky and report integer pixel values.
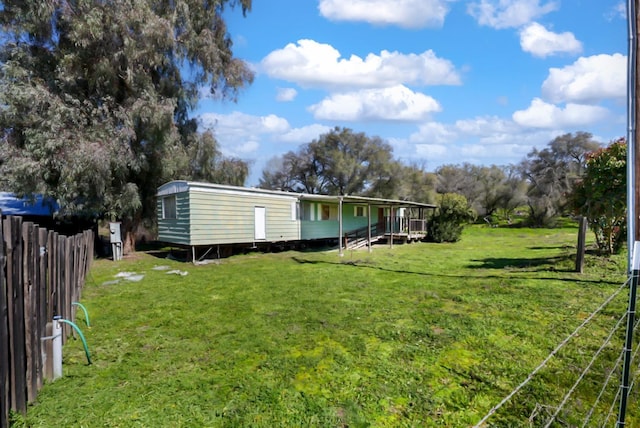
(442, 81)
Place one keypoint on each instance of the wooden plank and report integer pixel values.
(17, 364)
(28, 295)
(52, 242)
(42, 300)
(68, 285)
(61, 289)
(5, 401)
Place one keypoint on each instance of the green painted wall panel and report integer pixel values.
(176, 230)
(322, 229)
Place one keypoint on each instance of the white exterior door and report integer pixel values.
(260, 223)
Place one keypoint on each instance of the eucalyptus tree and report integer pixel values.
(96, 95)
(405, 182)
(206, 162)
(339, 162)
(484, 187)
(552, 173)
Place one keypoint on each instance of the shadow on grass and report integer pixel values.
(358, 264)
(521, 263)
(552, 247)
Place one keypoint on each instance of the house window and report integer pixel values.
(359, 211)
(295, 210)
(307, 213)
(328, 212)
(169, 207)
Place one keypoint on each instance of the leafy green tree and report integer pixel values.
(405, 182)
(96, 97)
(340, 162)
(512, 192)
(552, 173)
(208, 164)
(449, 218)
(600, 195)
(487, 188)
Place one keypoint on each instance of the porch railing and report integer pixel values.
(405, 225)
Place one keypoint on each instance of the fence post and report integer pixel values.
(13, 239)
(628, 346)
(31, 334)
(42, 299)
(582, 238)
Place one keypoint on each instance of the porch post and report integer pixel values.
(409, 225)
(391, 225)
(340, 237)
(369, 226)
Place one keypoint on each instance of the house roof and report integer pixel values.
(10, 204)
(178, 186)
(364, 200)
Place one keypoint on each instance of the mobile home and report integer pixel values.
(203, 214)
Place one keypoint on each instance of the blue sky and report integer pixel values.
(443, 81)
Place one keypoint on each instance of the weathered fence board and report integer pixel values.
(17, 366)
(41, 275)
(5, 400)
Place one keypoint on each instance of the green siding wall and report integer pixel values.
(227, 218)
(176, 230)
(322, 229)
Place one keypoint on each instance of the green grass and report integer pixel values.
(421, 335)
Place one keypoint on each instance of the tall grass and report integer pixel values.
(419, 335)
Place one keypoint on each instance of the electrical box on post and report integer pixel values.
(115, 237)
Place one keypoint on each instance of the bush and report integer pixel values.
(601, 196)
(449, 218)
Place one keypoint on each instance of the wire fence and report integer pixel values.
(593, 397)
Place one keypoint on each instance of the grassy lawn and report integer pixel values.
(420, 335)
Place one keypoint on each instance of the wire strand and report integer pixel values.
(604, 387)
(584, 372)
(554, 352)
(613, 404)
(606, 381)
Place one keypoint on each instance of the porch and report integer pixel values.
(390, 229)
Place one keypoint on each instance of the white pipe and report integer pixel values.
(631, 130)
(57, 348)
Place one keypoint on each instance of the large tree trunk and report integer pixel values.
(129, 232)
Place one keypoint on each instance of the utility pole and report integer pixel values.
(633, 198)
(633, 119)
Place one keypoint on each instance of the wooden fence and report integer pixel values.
(41, 275)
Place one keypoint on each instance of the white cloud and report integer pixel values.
(617, 11)
(544, 115)
(241, 124)
(403, 13)
(479, 140)
(239, 133)
(286, 94)
(312, 64)
(589, 79)
(431, 150)
(434, 133)
(398, 103)
(540, 42)
(305, 134)
(487, 127)
(509, 13)
(244, 148)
